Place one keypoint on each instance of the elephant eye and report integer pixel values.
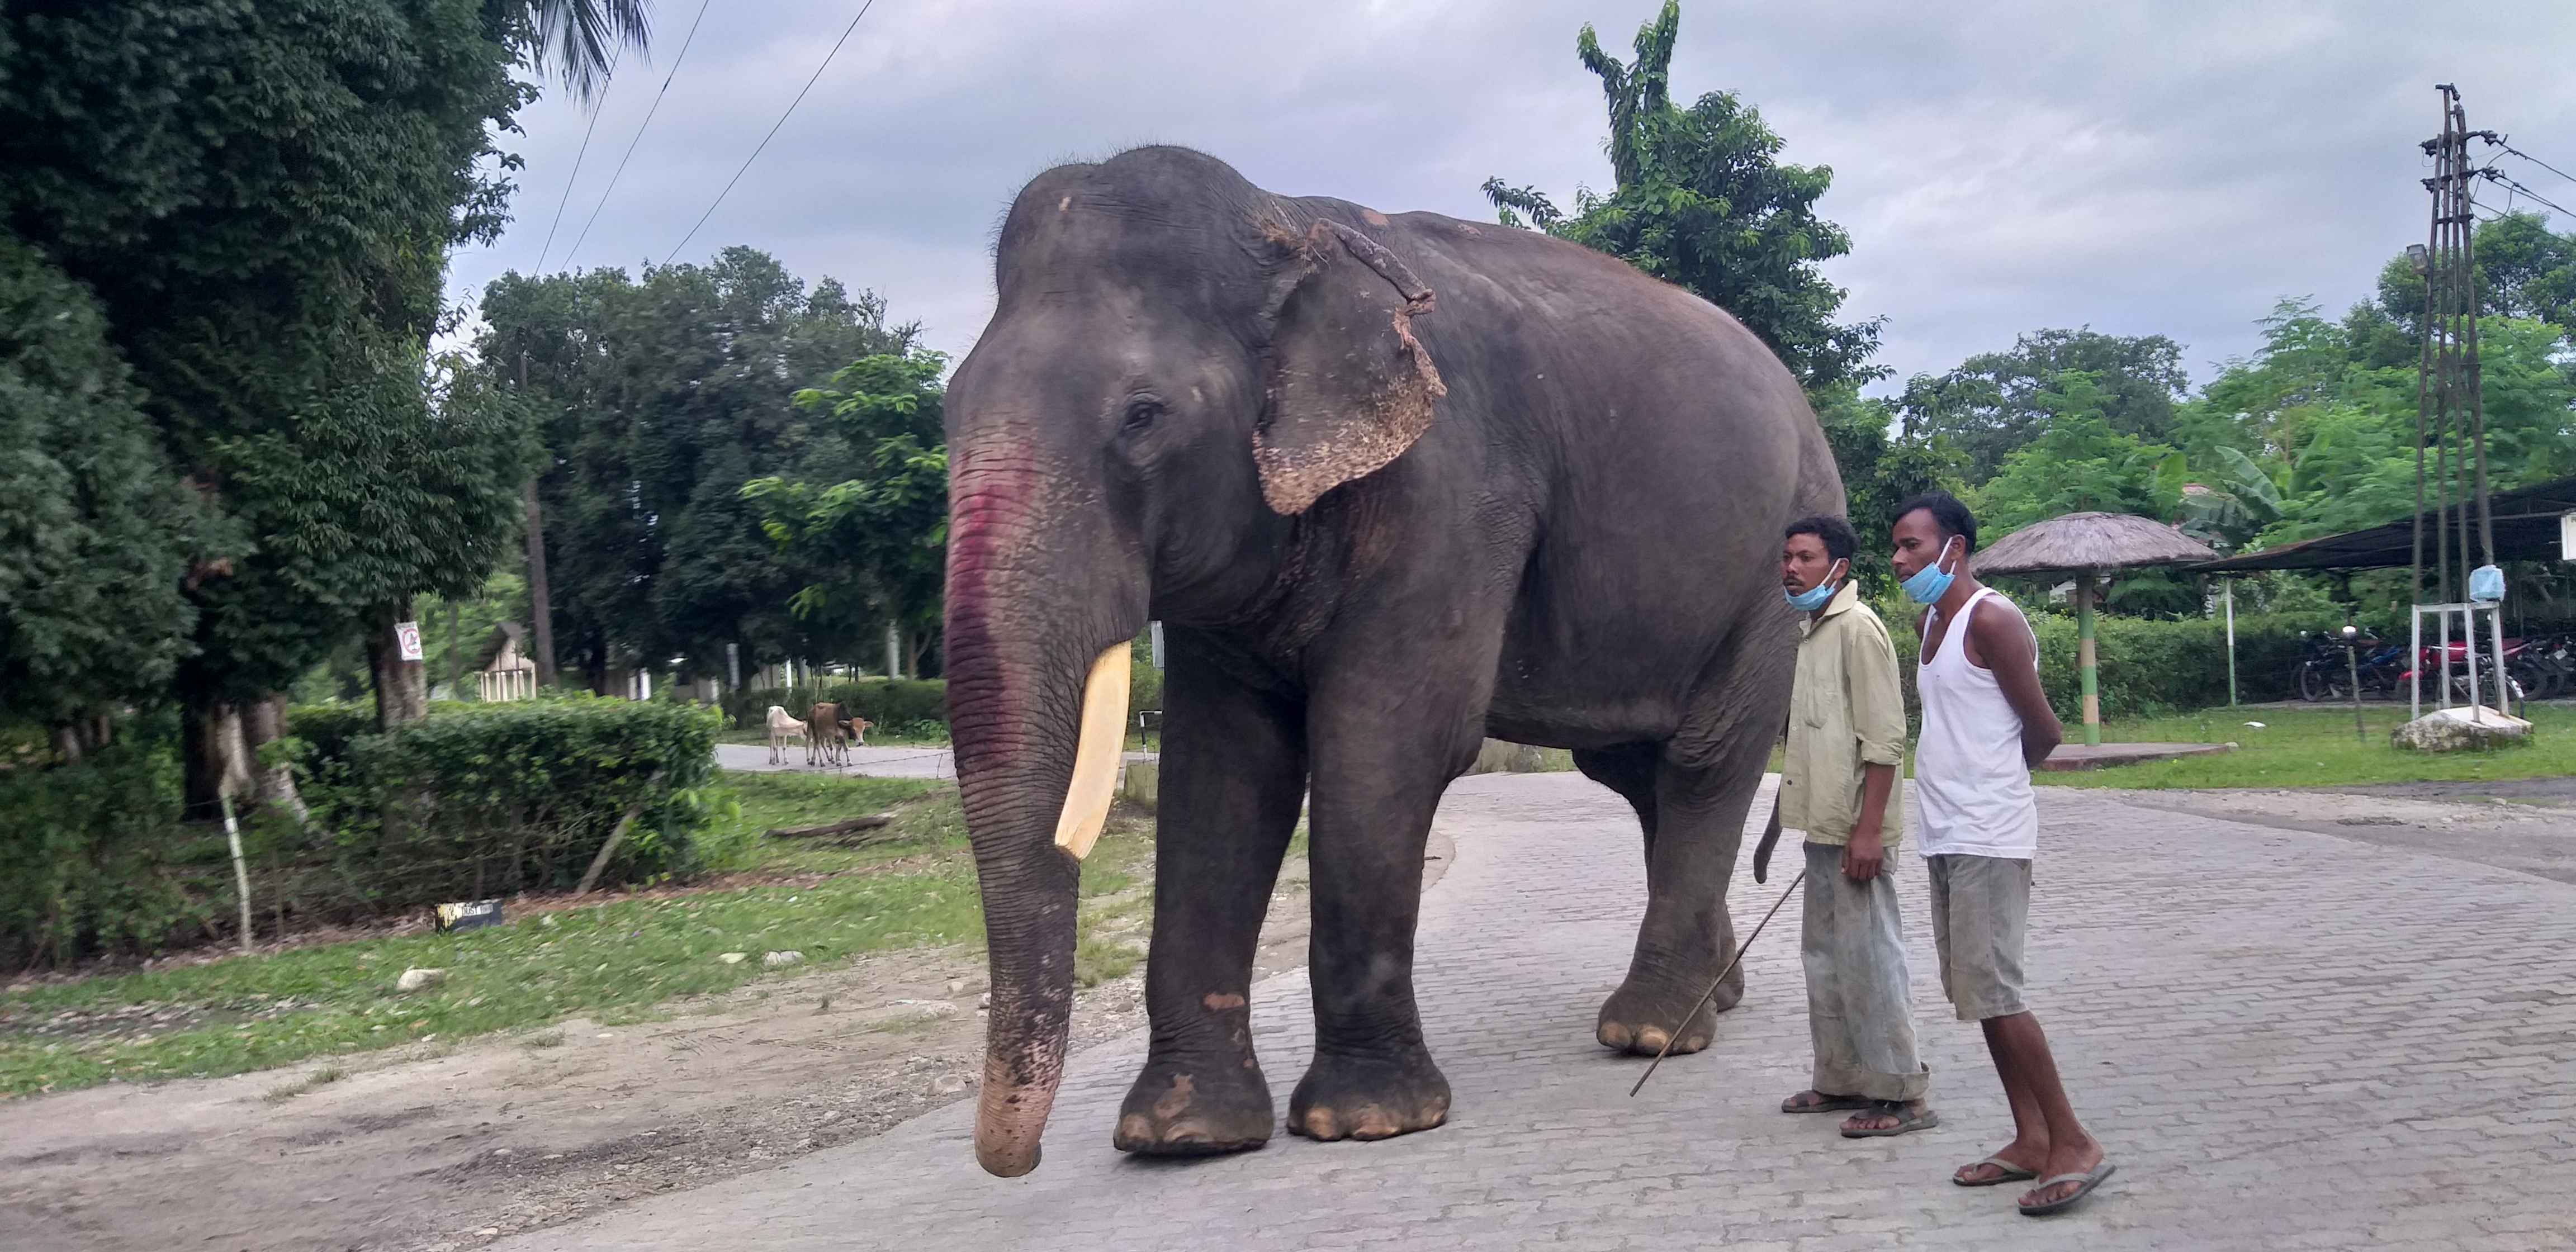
(1141, 413)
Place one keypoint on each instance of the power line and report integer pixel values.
(2500, 176)
(2535, 160)
(597, 107)
(773, 130)
(690, 38)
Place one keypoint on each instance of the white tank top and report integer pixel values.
(1971, 789)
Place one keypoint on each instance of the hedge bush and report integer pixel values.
(894, 703)
(481, 800)
(2148, 668)
(93, 859)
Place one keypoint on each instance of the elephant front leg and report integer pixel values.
(1377, 782)
(1687, 935)
(1233, 778)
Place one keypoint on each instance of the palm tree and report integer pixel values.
(576, 40)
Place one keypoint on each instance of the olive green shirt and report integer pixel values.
(1846, 711)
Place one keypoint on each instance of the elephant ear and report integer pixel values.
(1349, 387)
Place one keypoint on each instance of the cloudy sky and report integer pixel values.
(2169, 167)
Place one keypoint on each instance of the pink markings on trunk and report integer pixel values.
(993, 489)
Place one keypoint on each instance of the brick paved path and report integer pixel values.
(2287, 1040)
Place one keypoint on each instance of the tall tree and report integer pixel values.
(267, 247)
(1702, 201)
(96, 531)
(875, 543)
(1996, 402)
(659, 397)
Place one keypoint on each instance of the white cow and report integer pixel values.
(781, 729)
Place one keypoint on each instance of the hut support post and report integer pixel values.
(2230, 585)
(2084, 658)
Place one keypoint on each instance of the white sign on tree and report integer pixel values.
(407, 640)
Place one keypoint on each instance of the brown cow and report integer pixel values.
(823, 738)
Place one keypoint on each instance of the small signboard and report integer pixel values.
(2567, 536)
(407, 640)
(468, 915)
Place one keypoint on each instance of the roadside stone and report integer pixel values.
(780, 960)
(416, 979)
(733, 958)
(2459, 729)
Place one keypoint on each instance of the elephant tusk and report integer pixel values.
(1096, 754)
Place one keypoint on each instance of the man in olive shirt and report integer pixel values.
(1838, 784)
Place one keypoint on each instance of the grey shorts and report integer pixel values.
(1980, 910)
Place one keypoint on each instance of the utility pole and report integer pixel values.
(540, 594)
(2450, 404)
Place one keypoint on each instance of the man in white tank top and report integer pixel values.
(1986, 723)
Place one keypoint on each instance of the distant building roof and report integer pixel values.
(2526, 529)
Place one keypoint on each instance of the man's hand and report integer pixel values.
(1865, 854)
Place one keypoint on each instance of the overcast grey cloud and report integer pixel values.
(2139, 167)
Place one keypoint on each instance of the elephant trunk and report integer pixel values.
(1033, 598)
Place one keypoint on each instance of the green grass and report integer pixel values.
(2316, 748)
(614, 962)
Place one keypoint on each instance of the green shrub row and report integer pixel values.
(904, 704)
(482, 800)
(2149, 668)
(92, 859)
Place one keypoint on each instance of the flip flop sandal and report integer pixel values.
(2011, 1173)
(2101, 1173)
(1907, 1121)
(1825, 1103)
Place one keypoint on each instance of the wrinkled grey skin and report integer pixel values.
(1203, 403)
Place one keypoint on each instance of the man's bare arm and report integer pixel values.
(2005, 642)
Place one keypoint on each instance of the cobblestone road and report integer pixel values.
(2287, 1040)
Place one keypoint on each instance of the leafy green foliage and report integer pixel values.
(1702, 201)
(2076, 462)
(1997, 402)
(877, 541)
(404, 478)
(1881, 469)
(660, 397)
(2150, 668)
(90, 861)
(96, 529)
(260, 198)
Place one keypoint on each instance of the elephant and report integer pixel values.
(1393, 484)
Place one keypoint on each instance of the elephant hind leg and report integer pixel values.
(1687, 935)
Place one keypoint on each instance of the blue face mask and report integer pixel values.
(1816, 597)
(1931, 582)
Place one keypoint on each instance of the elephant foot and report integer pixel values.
(1640, 1019)
(1195, 1107)
(1369, 1097)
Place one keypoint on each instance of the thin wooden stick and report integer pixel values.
(1713, 986)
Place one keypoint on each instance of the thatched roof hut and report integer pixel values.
(2095, 541)
(2085, 544)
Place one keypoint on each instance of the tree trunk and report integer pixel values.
(541, 614)
(402, 693)
(264, 723)
(230, 749)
